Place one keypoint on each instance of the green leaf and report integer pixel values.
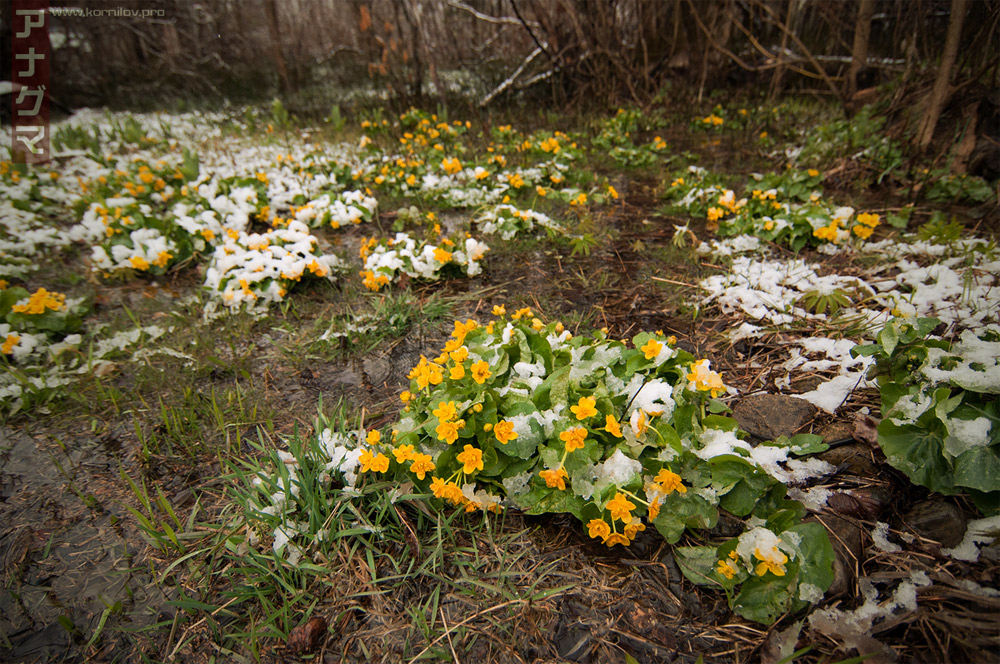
(979, 468)
(917, 450)
(765, 598)
(680, 511)
(697, 563)
(815, 555)
(889, 337)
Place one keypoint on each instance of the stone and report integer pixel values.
(855, 458)
(768, 416)
(848, 549)
(937, 520)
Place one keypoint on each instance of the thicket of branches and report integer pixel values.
(939, 52)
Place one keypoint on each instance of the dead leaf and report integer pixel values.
(306, 638)
(866, 429)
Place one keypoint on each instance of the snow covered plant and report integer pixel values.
(523, 414)
(507, 221)
(349, 207)
(257, 269)
(389, 258)
(941, 424)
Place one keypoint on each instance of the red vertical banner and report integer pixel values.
(30, 55)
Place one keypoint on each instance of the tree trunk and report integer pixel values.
(279, 57)
(940, 93)
(859, 53)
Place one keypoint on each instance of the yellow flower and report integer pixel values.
(421, 464)
(504, 431)
(39, 301)
(8, 345)
(616, 538)
(451, 165)
(651, 349)
(669, 482)
(633, 528)
(445, 411)
(403, 453)
(585, 408)
(555, 479)
(654, 507)
(540, 190)
(812, 172)
(499, 310)
(863, 232)
(612, 192)
(164, 257)
(438, 486)
(574, 438)
(770, 561)
(442, 256)
(611, 426)
(378, 462)
(726, 568)
(448, 431)
(373, 437)
(714, 213)
(480, 371)
(621, 508)
(598, 528)
(704, 379)
(471, 459)
(639, 422)
(139, 263)
(868, 219)
(457, 372)
(405, 396)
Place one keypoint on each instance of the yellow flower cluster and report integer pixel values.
(866, 225)
(373, 281)
(704, 379)
(39, 301)
(664, 484)
(712, 120)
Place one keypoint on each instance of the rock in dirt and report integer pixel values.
(854, 458)
(845, 536)
(837, 433)
(306, 638)
(937, 520)
(768, 416)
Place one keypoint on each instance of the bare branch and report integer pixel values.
(456, 4)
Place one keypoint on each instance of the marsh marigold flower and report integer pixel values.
(574, 438)
(373, 437)
(445, 412)
(771, 560)
(480, 371)
(421, 464)
(403, 453)
(651, 349)
(669, 482)
(555, 479)
(448, 431)
(471, 459)
(621, 508)
(726, 568)
(585, 407)
(598, 528)
(504, 431)
(611, 426)
(616, 538)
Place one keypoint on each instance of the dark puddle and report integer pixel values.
(65, 557)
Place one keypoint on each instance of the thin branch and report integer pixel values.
(486, 17)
